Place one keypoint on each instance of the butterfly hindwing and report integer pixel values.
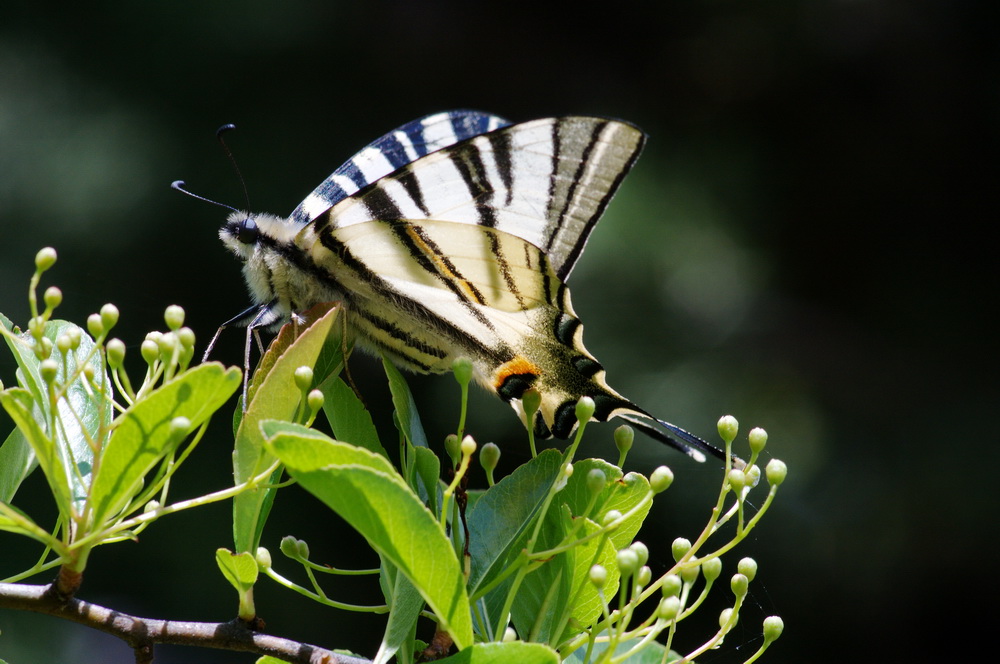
(432, 291)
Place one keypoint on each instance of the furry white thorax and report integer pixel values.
(270, 276)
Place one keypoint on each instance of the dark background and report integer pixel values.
(803, 244)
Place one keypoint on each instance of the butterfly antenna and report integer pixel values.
(229, 153)
(178, 185)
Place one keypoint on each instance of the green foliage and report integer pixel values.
(541, 566)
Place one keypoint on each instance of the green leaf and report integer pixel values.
(350, 420)
(367, 492)
(405, 604)
(427, 477)
(82, 416)
(17, 460)
(21, 348)
(240, 569)
(652, 653)
(142, 434)
(406, 408)
(15, 521)
(499, 519)
(296, 345)
(518, 652)
(557, 599)
(20, 405)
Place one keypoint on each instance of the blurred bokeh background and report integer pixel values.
(803, 244)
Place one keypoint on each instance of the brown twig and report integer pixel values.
(143, 633)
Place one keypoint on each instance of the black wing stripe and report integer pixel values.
(470, 167)
(467, 293)
(575, 180)
(574, 254)
(395, 300)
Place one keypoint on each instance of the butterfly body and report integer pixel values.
(451, 237)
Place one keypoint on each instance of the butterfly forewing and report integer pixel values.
(546, 181)
(396, 149)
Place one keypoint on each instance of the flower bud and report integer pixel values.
(737, 480)
(462, 369)
(773, 626)
(452, 447)
(94, 325)
(303, 378)
(48, 369)
(109, 316)
(45, 258)
(186, 336)
(624, 436)
(776, 471)
(289, 547)
(689, 573)
(468, 446)
(598, 576)
(489, 457)
(643, 576)
(585, 408)
(530, 401)
(728, 428)
(641, 550)
(610, 517)
(758, 440)
(596, 481)
(739, 585)
(672, 585)
(747, 567)
(64, 343)
(150, 351)
(628, 562)
(173, 316)
(263, 558)
(668, 608)
(711, 569)
(116, 353)
(167, 343)
(75, 335)
(315, 400)
(679, 547)
(179, 427)
(661, 479)
(53, 297)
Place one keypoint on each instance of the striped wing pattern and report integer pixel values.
(392, 151)
(453, 237)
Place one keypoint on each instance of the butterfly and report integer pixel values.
(453, 236)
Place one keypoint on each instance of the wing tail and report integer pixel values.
(675, 437)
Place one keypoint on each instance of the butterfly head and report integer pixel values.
(241, 234)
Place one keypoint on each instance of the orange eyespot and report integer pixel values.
(512, 378)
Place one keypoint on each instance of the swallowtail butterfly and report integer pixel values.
(454, 236)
